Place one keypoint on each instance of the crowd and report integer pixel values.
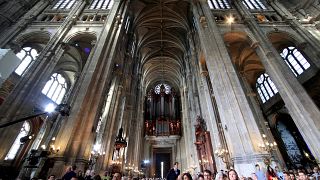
(174, 174)
(270, 174)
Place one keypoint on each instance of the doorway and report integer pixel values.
(162, 162)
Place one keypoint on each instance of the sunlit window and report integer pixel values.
(265, 87)
(101, 4)
(295, 60)
(55, 88)
(64, 4)
(24, 131)
(254, 4)
(27, 55)
(167, 88)
(219, 4)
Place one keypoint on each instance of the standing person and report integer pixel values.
(302, 175)
(207, 174)
(286, 176)
(186, 176)
(233, 175)
(174, 172)
(271, 175)
(259, 173)
(116, 176)
(200, 177)
(316, 173)
(70, 174)
(254, 176)
(52, 177)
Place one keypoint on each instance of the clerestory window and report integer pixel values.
(101, 4)
(295, 60)
(219, 4)
(64, 4)
(254, 4)
(55, 88)
(265, 87)
(24, 131)
(27, 55)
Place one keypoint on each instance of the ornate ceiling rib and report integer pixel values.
(161, 28)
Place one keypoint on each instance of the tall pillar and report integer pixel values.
(242, 132)
(75, 136)
(301, 107)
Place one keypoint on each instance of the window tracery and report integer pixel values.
(101, 4)
(27, 55)
(265, 87)
(24, 131)
(254, 4)
(64, 4)
(295, 60)
(167, 88)
(219, 4)
(55, 88)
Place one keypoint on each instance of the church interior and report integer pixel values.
(133, 86)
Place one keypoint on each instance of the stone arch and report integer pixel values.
(80, 34)
(78, 47)
(33, 37)
(281, 39)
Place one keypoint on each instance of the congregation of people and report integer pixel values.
(174, 174)
(270, 174)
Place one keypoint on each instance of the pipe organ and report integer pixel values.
(162, 111)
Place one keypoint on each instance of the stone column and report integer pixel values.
(75, 137)
(212, 124)
(301, 107)
(242, 132)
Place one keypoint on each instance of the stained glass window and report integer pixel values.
(55, 88)
(27, 55)
(24, 131)
(101, 4)
(265, 87)
(219, 4)
(64, 4)
(254, 4)
(295, 60)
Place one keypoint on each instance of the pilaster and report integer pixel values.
(242, 132)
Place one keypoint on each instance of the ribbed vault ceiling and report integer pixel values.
(161, 28)
(243, 55)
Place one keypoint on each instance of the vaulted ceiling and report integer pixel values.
(161, 28)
